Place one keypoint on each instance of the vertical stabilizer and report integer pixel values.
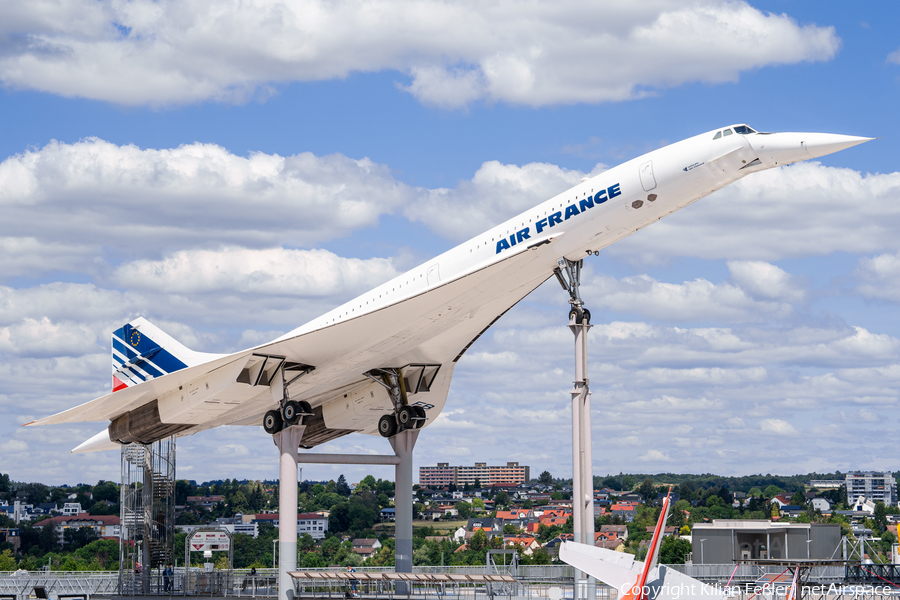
(142, 351)
(659, 533)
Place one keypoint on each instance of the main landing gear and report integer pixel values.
(290, 413)
(405, 416)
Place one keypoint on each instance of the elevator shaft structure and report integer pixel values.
(147, 517)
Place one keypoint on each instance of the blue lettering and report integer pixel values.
(571, 211)
(614, 191)
(600, 198)
(586, 203)
(555, 219)
(540, 225)
(502, 245)
(512, 239)
(522, 235)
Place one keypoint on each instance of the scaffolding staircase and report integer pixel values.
(147, 515)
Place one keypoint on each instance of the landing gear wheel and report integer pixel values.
(405, 417)
(305, 407)
(272, 422)
(577, 314)
(290, 413)
(387, 426)
(420, 413)
(586, 317)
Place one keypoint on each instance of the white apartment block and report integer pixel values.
(872, 485)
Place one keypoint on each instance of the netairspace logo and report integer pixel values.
(674, 592)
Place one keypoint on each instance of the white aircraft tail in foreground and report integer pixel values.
(636, 580)
(382, 363)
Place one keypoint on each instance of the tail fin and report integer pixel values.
(638, 590)
(142, 351)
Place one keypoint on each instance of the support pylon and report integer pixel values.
(568, 273)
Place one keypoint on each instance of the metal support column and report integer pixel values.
(568, 273)
(288, 442)
(403, 444)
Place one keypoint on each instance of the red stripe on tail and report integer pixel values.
(118, 385)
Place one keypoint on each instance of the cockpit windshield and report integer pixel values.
(741, 129)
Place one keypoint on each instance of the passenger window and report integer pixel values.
(718, 135)
(727, 132)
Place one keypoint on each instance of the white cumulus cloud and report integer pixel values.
(168, 51)
(269, 271)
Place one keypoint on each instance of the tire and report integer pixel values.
(387, 426)
(574, 313)
(305, 407)
(420, 413)
(586, 317)
(405, 417)
(272, 422)
(290, 413)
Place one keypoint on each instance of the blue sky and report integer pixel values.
(144, 146)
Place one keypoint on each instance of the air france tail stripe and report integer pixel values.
(145, 370)
(163, 360)
(144, 362)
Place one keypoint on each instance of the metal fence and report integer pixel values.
(540, 582)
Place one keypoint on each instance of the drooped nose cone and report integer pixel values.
(820, 144)
(776, 149)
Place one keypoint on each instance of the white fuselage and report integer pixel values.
(434, 312)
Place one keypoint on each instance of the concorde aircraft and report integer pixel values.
(382, 363)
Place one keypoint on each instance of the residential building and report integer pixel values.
(70, 509)
(821, 504)
(18, 511)
(103, 525)
(727, 540)
(366, 547)
(444, 475)
(620, 531)
(876, 486)
(312, 523)
(826, 484)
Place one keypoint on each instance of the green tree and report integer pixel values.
(647, 491)
(341, 487)
(772, 491)
(477, 503)
(628, 482)
(880, 517)
(106, 490)
(464, 509)
(798, 499)
(312, 560)
(7, 561)
(673, 550)
(545, 477)
(502, 499)
(478, 541)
